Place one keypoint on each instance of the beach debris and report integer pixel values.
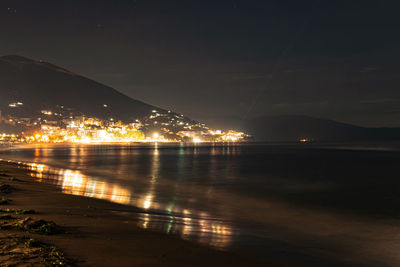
(17, 211)
(4, 201)
(54, 256)
(31, 225)
(6, 188)
(3, 173)
(32, 243)
(6, 217)
(16, 250)
(39, 226)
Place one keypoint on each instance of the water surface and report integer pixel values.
(259, 198)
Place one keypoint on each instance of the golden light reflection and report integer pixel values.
(190, 225)
(37, 152)
(75, 183)
(146, 202)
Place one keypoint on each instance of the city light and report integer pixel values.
(159, 126)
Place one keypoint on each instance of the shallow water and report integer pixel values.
(274, 198)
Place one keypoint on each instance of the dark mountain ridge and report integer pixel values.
(41, 85)
(292, 128)
(295, 127)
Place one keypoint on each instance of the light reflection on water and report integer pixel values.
(171, 219)
(180, 189)
(264, 199)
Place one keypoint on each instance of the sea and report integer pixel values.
(318, 203)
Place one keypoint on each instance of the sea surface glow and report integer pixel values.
(279, 198)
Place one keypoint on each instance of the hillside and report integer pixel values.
(295, 127)
(40, 85)
(292, 128)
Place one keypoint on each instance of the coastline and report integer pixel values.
(98, 234)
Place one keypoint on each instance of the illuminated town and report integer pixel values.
(159, 126)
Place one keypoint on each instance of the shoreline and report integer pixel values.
(98, 233)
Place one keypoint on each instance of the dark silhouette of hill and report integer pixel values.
(41, 85)
(292, 128)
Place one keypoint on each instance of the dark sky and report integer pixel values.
(215, 59)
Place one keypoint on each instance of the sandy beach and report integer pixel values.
(96, 232)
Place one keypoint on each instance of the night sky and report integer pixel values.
(217, 59)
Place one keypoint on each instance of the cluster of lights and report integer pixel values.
(86, 131)
(8, 137)
(214, 136)
(15, 104)
(158, 126)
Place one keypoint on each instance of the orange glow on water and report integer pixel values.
(189, 225)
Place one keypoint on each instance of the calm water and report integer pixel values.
(259, 198)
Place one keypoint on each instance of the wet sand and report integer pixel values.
(97, 234)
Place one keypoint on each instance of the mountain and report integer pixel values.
(292, 128)
(40, 85)
(32, 86)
